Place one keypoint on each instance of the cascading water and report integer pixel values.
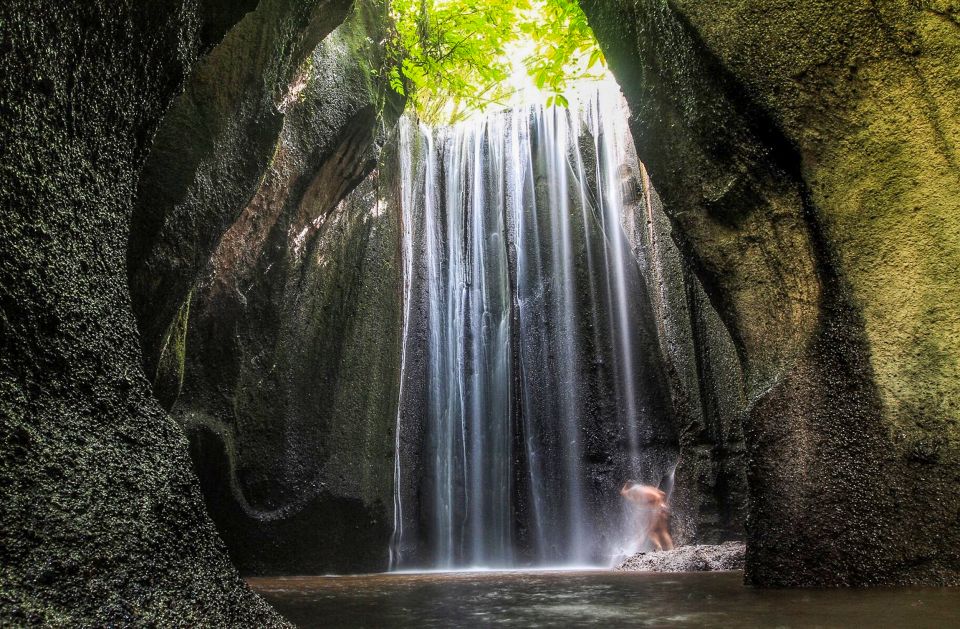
(540, 379)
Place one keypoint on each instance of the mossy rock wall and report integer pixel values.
(869, 95)
(806, 155)
(290, 382)
(102, 521)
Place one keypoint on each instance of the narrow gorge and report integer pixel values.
(429, 293)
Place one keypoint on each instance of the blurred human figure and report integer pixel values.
(654, 523)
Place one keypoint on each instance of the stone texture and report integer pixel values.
(210, 153)
(709, 489)
(102, 521)
(295, 381)
(806, 157)
(290, 366)
(700, 558)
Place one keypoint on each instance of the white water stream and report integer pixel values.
(514, 239)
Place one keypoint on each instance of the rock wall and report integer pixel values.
(706, 479)
(284, 363)
(211, 151)
(290, 395)
(709, 487)
(102, 521)
(806, 157)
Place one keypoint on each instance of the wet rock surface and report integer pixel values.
(709, 490)
(803, 156)
(696, 558)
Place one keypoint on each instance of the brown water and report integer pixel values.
(594, 598)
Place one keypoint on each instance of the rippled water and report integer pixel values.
(594, 598)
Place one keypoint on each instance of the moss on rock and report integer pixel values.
(168, 379)
(806, 153)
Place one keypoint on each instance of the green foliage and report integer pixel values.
(454, 57)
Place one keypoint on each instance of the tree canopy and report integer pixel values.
(455, 57)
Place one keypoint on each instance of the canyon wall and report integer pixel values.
(806, 157)
(102, 519)
(281, 358)
(709, 488)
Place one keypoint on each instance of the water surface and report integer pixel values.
(594, 598)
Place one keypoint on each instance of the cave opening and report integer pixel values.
(326, 287)
(449, 306)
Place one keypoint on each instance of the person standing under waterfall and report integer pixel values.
(654, 521)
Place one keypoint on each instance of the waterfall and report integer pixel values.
(407, 237)
(538, 385)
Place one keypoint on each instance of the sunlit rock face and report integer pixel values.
(805, 157)
(282, 363)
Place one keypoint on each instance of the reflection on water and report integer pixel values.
(594, 598)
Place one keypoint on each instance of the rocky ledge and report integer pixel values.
(706, 558)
